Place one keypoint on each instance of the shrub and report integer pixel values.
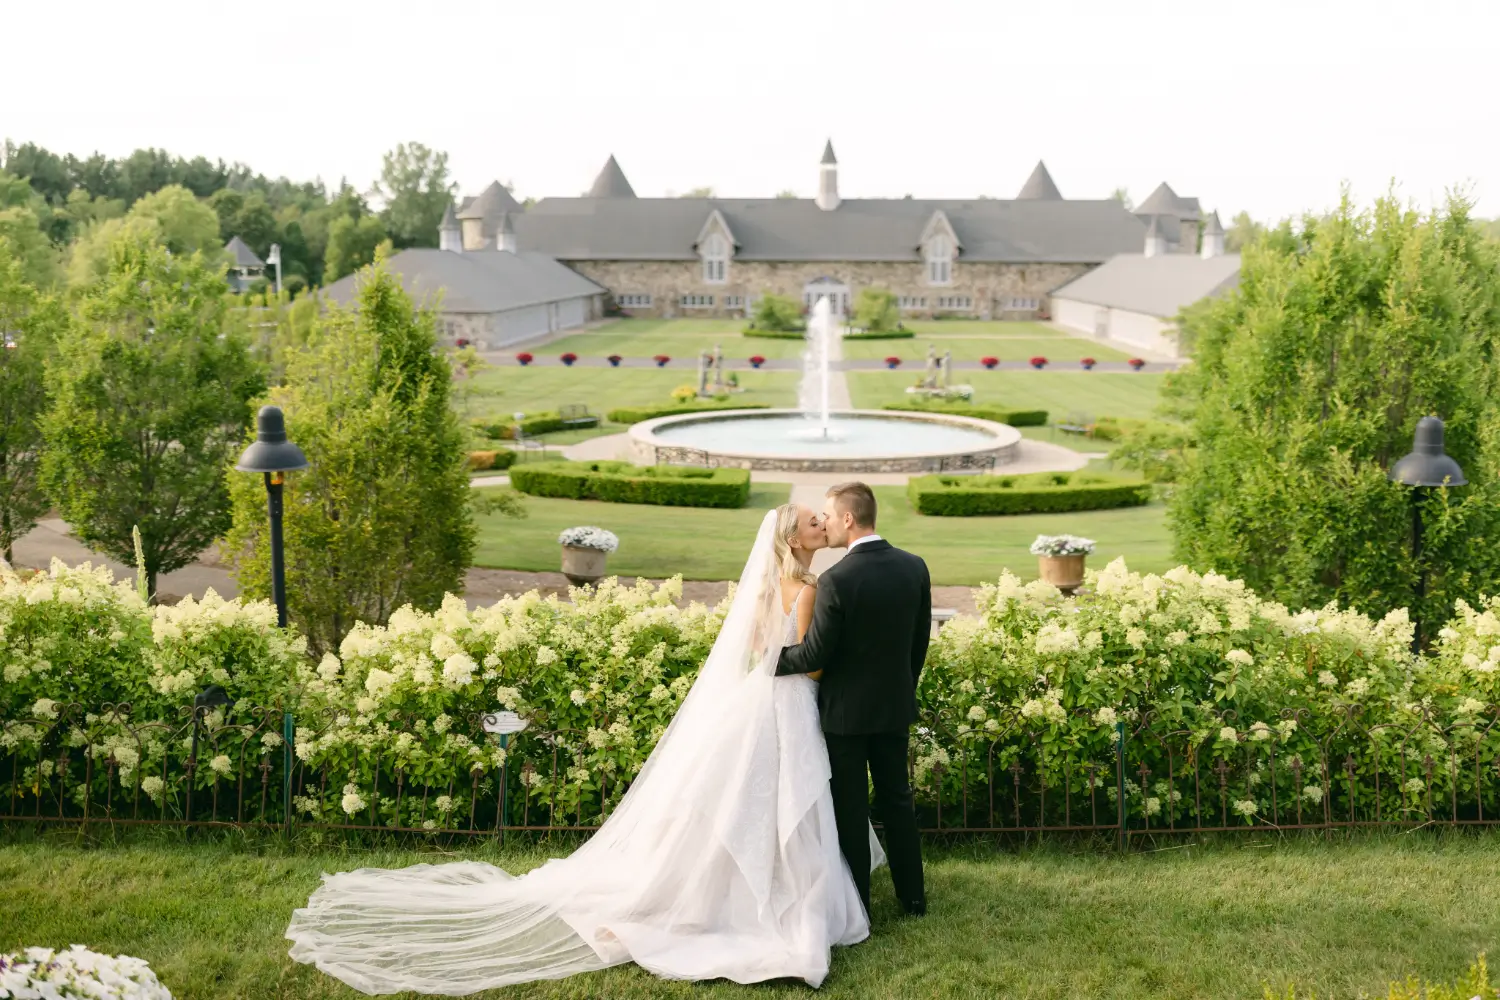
(776, 313)
(897, 334)
(1015, 418)
(684, 393)
(635, 414)
(1037, 362)
(774, 334)
(876, 311)
(502, 458)
(532, 424)
(989, 362)
(1036, 493)
(621, 482)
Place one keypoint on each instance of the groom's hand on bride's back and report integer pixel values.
(812, 654)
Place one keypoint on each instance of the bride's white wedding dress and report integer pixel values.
(722, 861)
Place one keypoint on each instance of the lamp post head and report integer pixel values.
(271, 451)
(1428, 464)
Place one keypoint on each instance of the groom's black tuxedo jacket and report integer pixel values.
(871, 623)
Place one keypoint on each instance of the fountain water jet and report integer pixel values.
(812, 394)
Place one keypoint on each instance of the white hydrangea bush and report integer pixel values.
(77, 974)
(1201, 660)
(79, 649)
(606, 671)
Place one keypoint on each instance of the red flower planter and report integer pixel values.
(461, 342)
(568, 358)
(892, 362)
(1087, 363)
(989, 362)
(757, 361)
(661, 360)
(1038, 363)
(1136, 363)
(524, 358)
(614, 360)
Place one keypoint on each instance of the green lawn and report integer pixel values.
(973, 550)
(1059, 392)
(708, 544)
(981, 328)
(1212, 922)
(701, 543)
(497, 393)
(677, 338)
(1059, 350)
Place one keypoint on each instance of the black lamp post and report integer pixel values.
(1427, 466)
(271, 454)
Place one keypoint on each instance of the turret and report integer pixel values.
(450, 236)
(828, 180)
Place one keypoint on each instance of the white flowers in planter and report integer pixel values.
(589, 538)
(78, 972)
(1061, 545)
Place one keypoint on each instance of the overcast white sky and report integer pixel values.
(1266, 106)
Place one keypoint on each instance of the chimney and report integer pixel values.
(1156, 243)
(828, 180)
(1213, 237)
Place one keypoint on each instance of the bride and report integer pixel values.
(721, 861)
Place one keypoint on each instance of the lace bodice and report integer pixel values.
(790, 638)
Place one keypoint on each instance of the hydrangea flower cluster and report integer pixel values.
(589, 538)
(77, 974)
(1061, 545)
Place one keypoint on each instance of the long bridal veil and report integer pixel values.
(720, 861)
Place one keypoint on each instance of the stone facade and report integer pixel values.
(988, 286)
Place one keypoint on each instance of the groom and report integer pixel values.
(869, 634)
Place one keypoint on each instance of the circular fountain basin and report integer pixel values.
(858, 441)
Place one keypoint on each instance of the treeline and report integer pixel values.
(61, 213)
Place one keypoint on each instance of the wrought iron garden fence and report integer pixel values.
(263, 768)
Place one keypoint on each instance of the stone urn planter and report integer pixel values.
(1063, 572)
(584, 552)
(1060, 560)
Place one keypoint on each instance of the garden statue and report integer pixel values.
(703, 363)
(930, 373)
(719, 386)
(947, 369)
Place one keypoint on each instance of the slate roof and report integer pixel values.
(242, 254)
(450, 221)
(791, 229)
(478, 281)
(1213, 227)
(1039, 186)
(1165, 201)
(611, 182)
(1157, 286)
(492, 201)
(828, 157)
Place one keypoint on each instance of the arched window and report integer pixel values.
(939, 260)
(715, 252)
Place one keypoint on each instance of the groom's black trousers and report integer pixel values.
(883, 757)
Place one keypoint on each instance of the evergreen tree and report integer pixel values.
(382, 517)
(29, 325)
(1307, 385)
(149, 404)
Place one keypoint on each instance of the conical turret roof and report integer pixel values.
(492, 201)
(1213, 227)
(1039, 186)
(611, 182)
(828, 157)
(450, 221)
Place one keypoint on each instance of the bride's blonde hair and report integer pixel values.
(787, 524)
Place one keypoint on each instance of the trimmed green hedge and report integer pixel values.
(775, 334)
(621, 482)
(800, 335)
(1036, 493)
(882, 335)
(535, 423)
(1016, 418)
(635, 414)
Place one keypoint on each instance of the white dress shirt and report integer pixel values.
(859, 541)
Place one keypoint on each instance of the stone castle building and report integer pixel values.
(981, 258)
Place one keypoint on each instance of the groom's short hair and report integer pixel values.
(856, 499)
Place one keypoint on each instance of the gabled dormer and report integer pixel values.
(715, 245)
(940, 247)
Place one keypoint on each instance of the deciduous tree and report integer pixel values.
(149, 403)
(382, 517)
(1307, 385)
(417, 189)
(876, 310)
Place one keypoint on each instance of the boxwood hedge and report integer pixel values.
(621, 482)
(535, 423)
(1016, 418)
(799, 335)
(1035, 493)
(635, 414)
(500, 458)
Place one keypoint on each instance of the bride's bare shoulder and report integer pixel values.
(806, 598)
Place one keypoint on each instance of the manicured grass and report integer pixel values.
(700, 543)
(677, 338)
(974, 550)
(913, 353)
(980, 328)
(1059, 392)
(704, 544)
(1216, 922)
(506, 389)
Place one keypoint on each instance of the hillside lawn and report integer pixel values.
(708, 544)
(1060, 922)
